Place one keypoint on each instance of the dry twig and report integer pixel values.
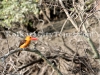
(96, 54)
(35, 51)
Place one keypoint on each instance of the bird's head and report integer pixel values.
(29, 38)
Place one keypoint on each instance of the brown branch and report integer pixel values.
(35, 51)
(40, 59)
(36, 61)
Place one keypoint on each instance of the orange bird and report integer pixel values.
(26, 42)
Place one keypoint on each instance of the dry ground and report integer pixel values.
(69, 54)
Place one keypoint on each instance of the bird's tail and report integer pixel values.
(19, 53)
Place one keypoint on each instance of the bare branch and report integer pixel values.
(37, 52)
(69, 17)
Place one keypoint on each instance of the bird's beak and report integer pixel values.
(32, 38)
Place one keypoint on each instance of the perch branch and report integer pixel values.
(35, 51)
(45, 59)
(11, 52)
(40, 59)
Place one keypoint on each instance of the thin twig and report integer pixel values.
(37, 52)
(10, 52)
(96, 54)
(69, 17)
(35, 61)
(67, 46)
(63, 26)
(45, 59)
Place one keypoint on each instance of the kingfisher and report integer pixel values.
(26, 42)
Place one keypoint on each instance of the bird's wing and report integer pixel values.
(22, 42)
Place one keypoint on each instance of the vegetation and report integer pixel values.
(15, 11)
(74, 54)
